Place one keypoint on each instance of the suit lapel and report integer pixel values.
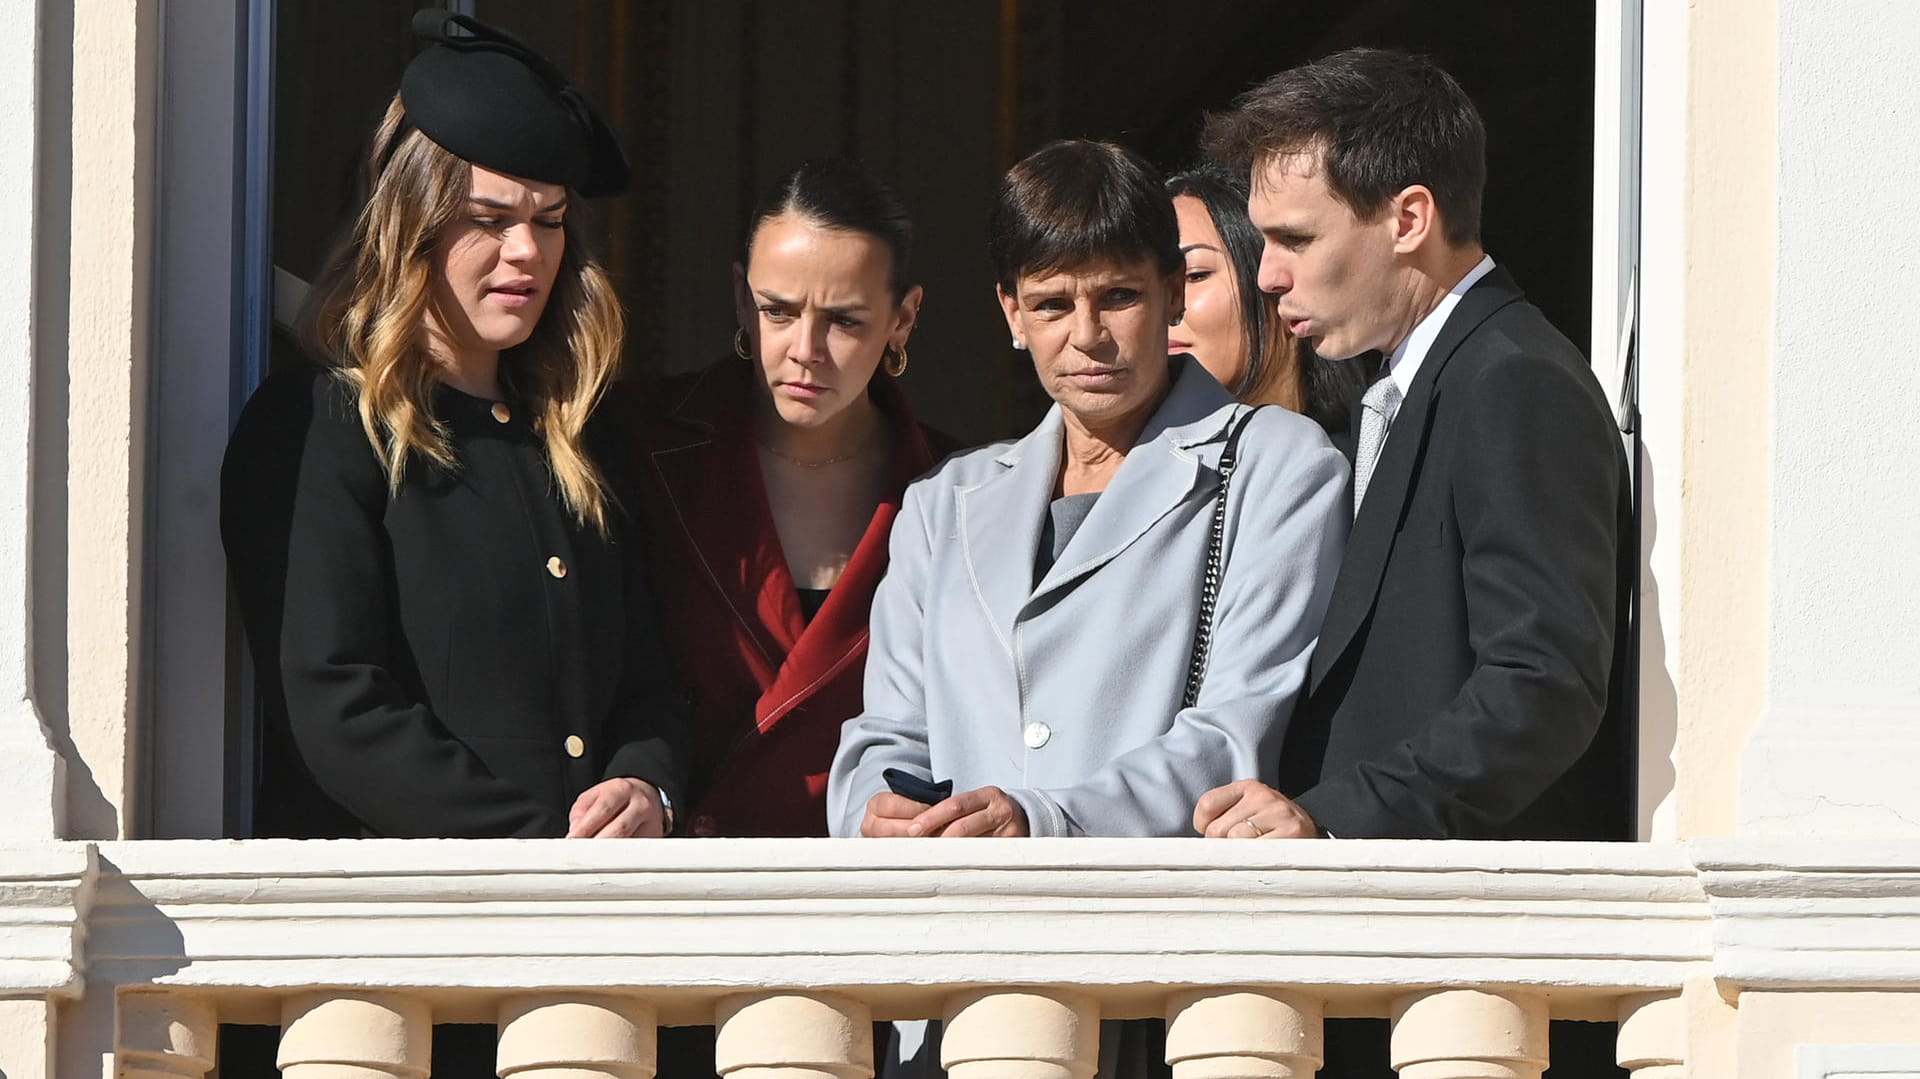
(1000, 523)
(1370, 544)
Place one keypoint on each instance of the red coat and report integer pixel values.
(770, 689)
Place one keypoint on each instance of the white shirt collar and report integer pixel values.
(1406, 360)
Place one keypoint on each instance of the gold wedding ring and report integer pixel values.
(1257, 830)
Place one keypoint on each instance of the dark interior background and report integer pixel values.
(716, 99)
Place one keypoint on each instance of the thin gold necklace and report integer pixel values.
(824, 462)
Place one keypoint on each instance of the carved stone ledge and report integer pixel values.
(1127, 921)
(1805, 913)
(46, 890)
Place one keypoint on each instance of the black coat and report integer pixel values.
(1470, 678)
(461, 659)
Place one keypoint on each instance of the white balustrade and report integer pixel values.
(355, 1036)
(1244, 1034)
(1021, 1034)
(566, 1037)
(1653, 1036)
(793, 1036)
(579, 951)
(1470, 1034)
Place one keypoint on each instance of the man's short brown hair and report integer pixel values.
(1375, 122)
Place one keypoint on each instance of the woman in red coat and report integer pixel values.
(769, 483)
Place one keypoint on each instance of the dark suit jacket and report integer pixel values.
(770, 688)
(426, 669)
(1469, 678)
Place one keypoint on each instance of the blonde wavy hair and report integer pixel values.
(369, 310)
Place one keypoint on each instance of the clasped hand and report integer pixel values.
(1249, 809)
(988, 811)
(617, 808)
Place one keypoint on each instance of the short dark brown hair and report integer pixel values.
(1074, 202)
(1376, 121)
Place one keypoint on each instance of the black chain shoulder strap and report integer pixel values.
(1210, 579)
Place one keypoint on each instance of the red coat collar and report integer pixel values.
(710, 472)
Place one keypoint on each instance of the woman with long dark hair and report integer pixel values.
(1229, 324)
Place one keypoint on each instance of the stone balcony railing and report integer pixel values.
(579, 949)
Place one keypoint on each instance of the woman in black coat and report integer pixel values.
(445, 600)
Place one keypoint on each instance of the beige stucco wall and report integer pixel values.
(1773, 1024)
(27, 1039)
(1718, 656)
(113, 69)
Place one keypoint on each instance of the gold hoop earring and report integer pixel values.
(740, 344)
(895, 360)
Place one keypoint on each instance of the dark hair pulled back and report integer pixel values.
(840, 194)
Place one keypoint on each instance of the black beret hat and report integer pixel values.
(486, 97)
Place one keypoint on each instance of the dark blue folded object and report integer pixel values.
(924, 791)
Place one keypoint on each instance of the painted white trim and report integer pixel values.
(1616, 191)
(1661, 347)
(203, 320)
(713, 916)
(1856, 1061)
(1815, 770)
(46, 894)
(1127, 921)
(30, 769)
(1803, 914)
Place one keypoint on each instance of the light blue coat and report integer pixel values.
(1066, 692)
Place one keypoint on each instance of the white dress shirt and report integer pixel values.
(1405, 362)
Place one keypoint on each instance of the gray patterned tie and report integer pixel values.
(1376, 412)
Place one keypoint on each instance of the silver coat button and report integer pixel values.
(1037, 734)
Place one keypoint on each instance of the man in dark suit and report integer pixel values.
(1469, 678)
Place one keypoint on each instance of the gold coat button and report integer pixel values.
(556, 567)
(501, 412)
(575, 746)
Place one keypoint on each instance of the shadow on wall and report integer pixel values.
(88, 813)
(1658, 726)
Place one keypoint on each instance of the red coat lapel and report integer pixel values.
(837, 637)
(712, 483)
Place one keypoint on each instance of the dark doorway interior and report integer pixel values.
(715, 100)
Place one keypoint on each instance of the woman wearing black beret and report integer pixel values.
(445, 600)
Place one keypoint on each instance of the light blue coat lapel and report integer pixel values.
(1161, 471)
(1001, 518)
(1000, 521)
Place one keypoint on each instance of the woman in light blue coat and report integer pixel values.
(1031, 640)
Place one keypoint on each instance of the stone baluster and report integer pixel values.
(1244, 1034)
(1469, 1034)
(1653, 1036)
(347, 1035)
(793, 1036)
(1021, 1034)
(549, 1037)
(163, 1035)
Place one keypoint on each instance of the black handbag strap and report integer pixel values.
(1210, 579)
